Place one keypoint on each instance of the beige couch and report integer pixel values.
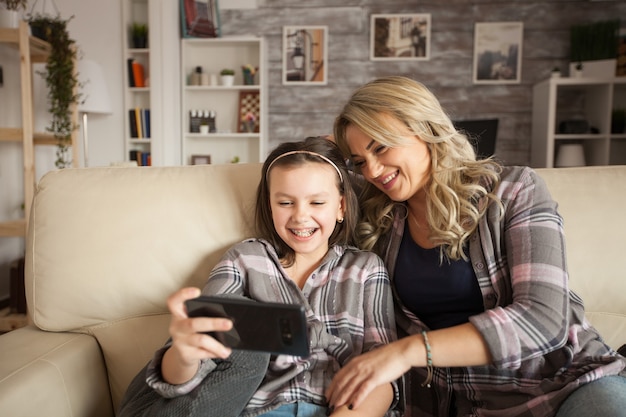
(106, 247)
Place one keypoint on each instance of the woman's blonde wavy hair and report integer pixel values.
(458, 182)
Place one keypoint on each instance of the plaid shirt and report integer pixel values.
(541, 345)
(349, 310)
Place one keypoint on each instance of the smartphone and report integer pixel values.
(268, 327)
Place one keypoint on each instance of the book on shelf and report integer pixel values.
(132, 123)
(136, 73)
(139, 123)
(147, 122)
(131, 76)
(143, 159)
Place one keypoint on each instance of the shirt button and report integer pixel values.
(480, 265)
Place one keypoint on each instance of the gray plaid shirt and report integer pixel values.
(349, 310)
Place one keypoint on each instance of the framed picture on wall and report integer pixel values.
(305, 55)
(199, 19)
(400, 37)
(200, 159)
(498, 52)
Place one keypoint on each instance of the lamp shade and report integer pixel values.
(95, 96)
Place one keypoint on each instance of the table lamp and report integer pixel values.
(94, 98)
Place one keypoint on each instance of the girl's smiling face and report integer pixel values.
(306, 205)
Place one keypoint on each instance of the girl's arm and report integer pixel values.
(189, 346)
(379, 330)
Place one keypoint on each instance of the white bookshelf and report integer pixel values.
(227, 142)
(590, 99)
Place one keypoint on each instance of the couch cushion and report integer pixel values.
(111, 243)
(592, 201)
(61, 373)
(107, 246)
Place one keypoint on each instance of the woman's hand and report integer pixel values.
(189, 343)
(356, 380)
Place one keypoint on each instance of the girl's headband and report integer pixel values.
(308, 153)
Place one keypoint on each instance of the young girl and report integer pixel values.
(306, 210)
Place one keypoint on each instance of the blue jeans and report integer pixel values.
(298, 409)
(602, 398)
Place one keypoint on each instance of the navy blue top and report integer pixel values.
(441, 294)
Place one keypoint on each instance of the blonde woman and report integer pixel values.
(487, 323)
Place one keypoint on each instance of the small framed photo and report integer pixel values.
(305, 55)
(498, 52)
(199, 19)
(400, 37)
(200, 159)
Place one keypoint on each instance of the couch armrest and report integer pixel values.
(52, 374)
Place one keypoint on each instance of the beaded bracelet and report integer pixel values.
(429, 361)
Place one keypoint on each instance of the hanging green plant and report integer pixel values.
(61, 80)
(14, 4)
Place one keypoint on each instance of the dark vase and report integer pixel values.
(140, 41)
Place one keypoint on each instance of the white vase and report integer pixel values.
(228, 80)
(9, 18)
(570, 155)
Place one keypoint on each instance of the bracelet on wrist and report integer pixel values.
(429, 361)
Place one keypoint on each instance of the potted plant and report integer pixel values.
(9, 12)
(556, 72)
(139, 34)
(578, 70)
(596, 44)
(228, 76)
(61, 80)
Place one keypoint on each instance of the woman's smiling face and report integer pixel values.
(401, 171)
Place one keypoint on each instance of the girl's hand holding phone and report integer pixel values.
(189, 343)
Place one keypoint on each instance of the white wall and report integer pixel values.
(96, 28)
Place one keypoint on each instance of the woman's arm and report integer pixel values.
(460, 345)
(528, 273)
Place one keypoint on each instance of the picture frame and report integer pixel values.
(400, 37)
(305, 55)
(200, 18)
(498, 52)
(249, 112)
(200, 159)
